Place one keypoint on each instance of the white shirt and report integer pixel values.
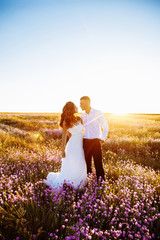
(95, 125)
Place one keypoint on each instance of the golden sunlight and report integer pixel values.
(120, 114)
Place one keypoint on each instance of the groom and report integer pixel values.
(95, 132)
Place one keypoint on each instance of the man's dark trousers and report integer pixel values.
(92, 148)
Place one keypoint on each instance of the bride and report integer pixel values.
(73, 169)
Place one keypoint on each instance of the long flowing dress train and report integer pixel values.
(73, 170)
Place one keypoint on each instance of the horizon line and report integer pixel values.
(123, 113)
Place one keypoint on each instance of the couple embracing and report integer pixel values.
(87, 133)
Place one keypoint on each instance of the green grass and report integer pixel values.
(126, 206)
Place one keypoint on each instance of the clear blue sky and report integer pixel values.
(56, 51)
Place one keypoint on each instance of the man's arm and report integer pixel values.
(104, 125)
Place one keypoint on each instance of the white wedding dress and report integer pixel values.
(73, 170)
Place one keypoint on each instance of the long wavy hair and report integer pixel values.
(69, 115)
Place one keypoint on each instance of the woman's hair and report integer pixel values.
(69, 115)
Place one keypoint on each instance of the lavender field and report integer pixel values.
(125, 206)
